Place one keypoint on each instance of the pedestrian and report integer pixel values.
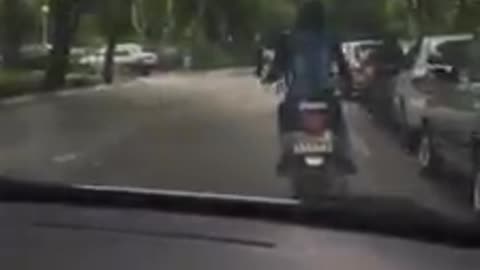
(280, 63)
(259, 61)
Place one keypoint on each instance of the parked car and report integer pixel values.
(358, 55)
(414, 86)
(387, 62)
(128, 54)
(450, 125)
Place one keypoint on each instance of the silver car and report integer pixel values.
(411, 95)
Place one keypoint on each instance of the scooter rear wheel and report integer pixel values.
(314, 187)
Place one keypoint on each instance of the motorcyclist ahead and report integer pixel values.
(304, 59)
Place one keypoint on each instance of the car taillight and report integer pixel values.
(315, 122)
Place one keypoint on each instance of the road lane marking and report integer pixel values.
(64, 158)
(70, 92)
(18, 100)
(102, 87)
(134, 82)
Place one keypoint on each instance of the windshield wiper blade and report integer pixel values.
(385, 216)
(203, 237)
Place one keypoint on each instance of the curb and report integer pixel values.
(15, 100)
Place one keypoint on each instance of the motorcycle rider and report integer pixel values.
(304, 59)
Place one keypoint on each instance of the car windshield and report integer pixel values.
(461, 54)
(122, 53)
(238, 97)
(363, 50)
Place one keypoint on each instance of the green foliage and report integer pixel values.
(19, 15)
(19, 82)
(215, 20)
(206, 55)
(152, 19)
(114, 17)
(240, 19)
(196, 24)
(88, 32)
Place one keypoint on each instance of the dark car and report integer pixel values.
(450, 125)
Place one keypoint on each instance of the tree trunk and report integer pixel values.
(65, 23)
(109, 66)
(139, 21)
(11, 35)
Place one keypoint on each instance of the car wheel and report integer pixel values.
(427, 155)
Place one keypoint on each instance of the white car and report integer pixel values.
(129, 54)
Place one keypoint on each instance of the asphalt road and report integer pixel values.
(209, 132)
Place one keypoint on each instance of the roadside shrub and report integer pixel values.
(211, 56)
(20, 82)
(13, 83)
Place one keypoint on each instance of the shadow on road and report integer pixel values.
(452, 185)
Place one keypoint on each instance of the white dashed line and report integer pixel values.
(70, 92)
(79, 91)
(134, 82)
(64, 93)
(65, 158)
(100, 87)
(18, 100)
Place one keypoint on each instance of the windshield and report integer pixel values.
(461, 54)
(122, 53)
(212, 110)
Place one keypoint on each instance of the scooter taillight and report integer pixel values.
(315, 122)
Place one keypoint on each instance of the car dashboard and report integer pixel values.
(49, 236)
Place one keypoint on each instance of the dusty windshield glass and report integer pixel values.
(239, 97)
(463, 55)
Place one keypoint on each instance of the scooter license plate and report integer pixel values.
(312, 147)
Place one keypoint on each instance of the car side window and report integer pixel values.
(411, 55)
(122, 53)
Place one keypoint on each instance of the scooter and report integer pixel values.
(310, 152)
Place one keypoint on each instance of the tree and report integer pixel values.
(66, 15)
(467, 18)
(152, 19)
(217, 20)
(114, 18)
(17, 24)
